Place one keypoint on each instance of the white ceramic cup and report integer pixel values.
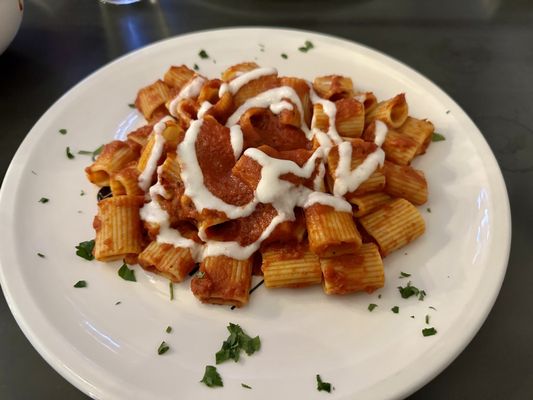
(10, 17)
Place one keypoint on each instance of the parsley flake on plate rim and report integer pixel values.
(125, 273)
(211, 377)
(163, 348)
(322, 386)
(85, 250)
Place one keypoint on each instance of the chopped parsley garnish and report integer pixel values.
(428, 210)
(70, 156)
(409, 291)
(43, 200)
(433, 308)
(437, 137)
(118, 302)
(93, 154)
(127, 274)
(41, 255)
(33, 172)
(82, 193)
(211, 377)
(412, 316)
(85, 250)
(203, 54)
(395, 309)
(429, 331)
(447, 111)
(237, 340)
(244, 385)
(284, 56)
(163, 348)
(131, 105)
(371, 307)
(80, 284)
(306, 47)
(196, 67)
(169, 329)
(379, 296)
(321, 385)
(427, 319)
(404, 275)
(171, 289)
(63, 131)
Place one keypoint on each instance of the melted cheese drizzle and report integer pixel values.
(189, 91)
(283, 195)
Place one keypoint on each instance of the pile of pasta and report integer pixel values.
(255, 173)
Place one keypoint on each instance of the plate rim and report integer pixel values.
(400, 389)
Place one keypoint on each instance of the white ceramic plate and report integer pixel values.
(109, 351)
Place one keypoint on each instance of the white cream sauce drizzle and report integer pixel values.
(283, 195)
(145, 178)
(277, 108)
(193, 179)
(189, 91)
(242, 79)
(266, 99)
(237, 140)
(203, 109)
(347, 180)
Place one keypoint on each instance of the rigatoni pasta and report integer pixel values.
(310, 181)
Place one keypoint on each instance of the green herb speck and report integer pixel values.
(127, 274)
(44, 200)
(80, 284)
(41, 255)
(371, 307)
(171, 289)
(70, 156)
(169, 329)
(429, 331)
(85, 250)
(321, 385)
(63, 131)
(404, 275)
(203, 54)
(437, 137)
(284, 56)
(244, 385)
(237, 340)
(410, 290)
(395, 309)
(211, 377)
(306, 47)
(163, 348)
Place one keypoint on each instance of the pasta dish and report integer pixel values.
(254, 173)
